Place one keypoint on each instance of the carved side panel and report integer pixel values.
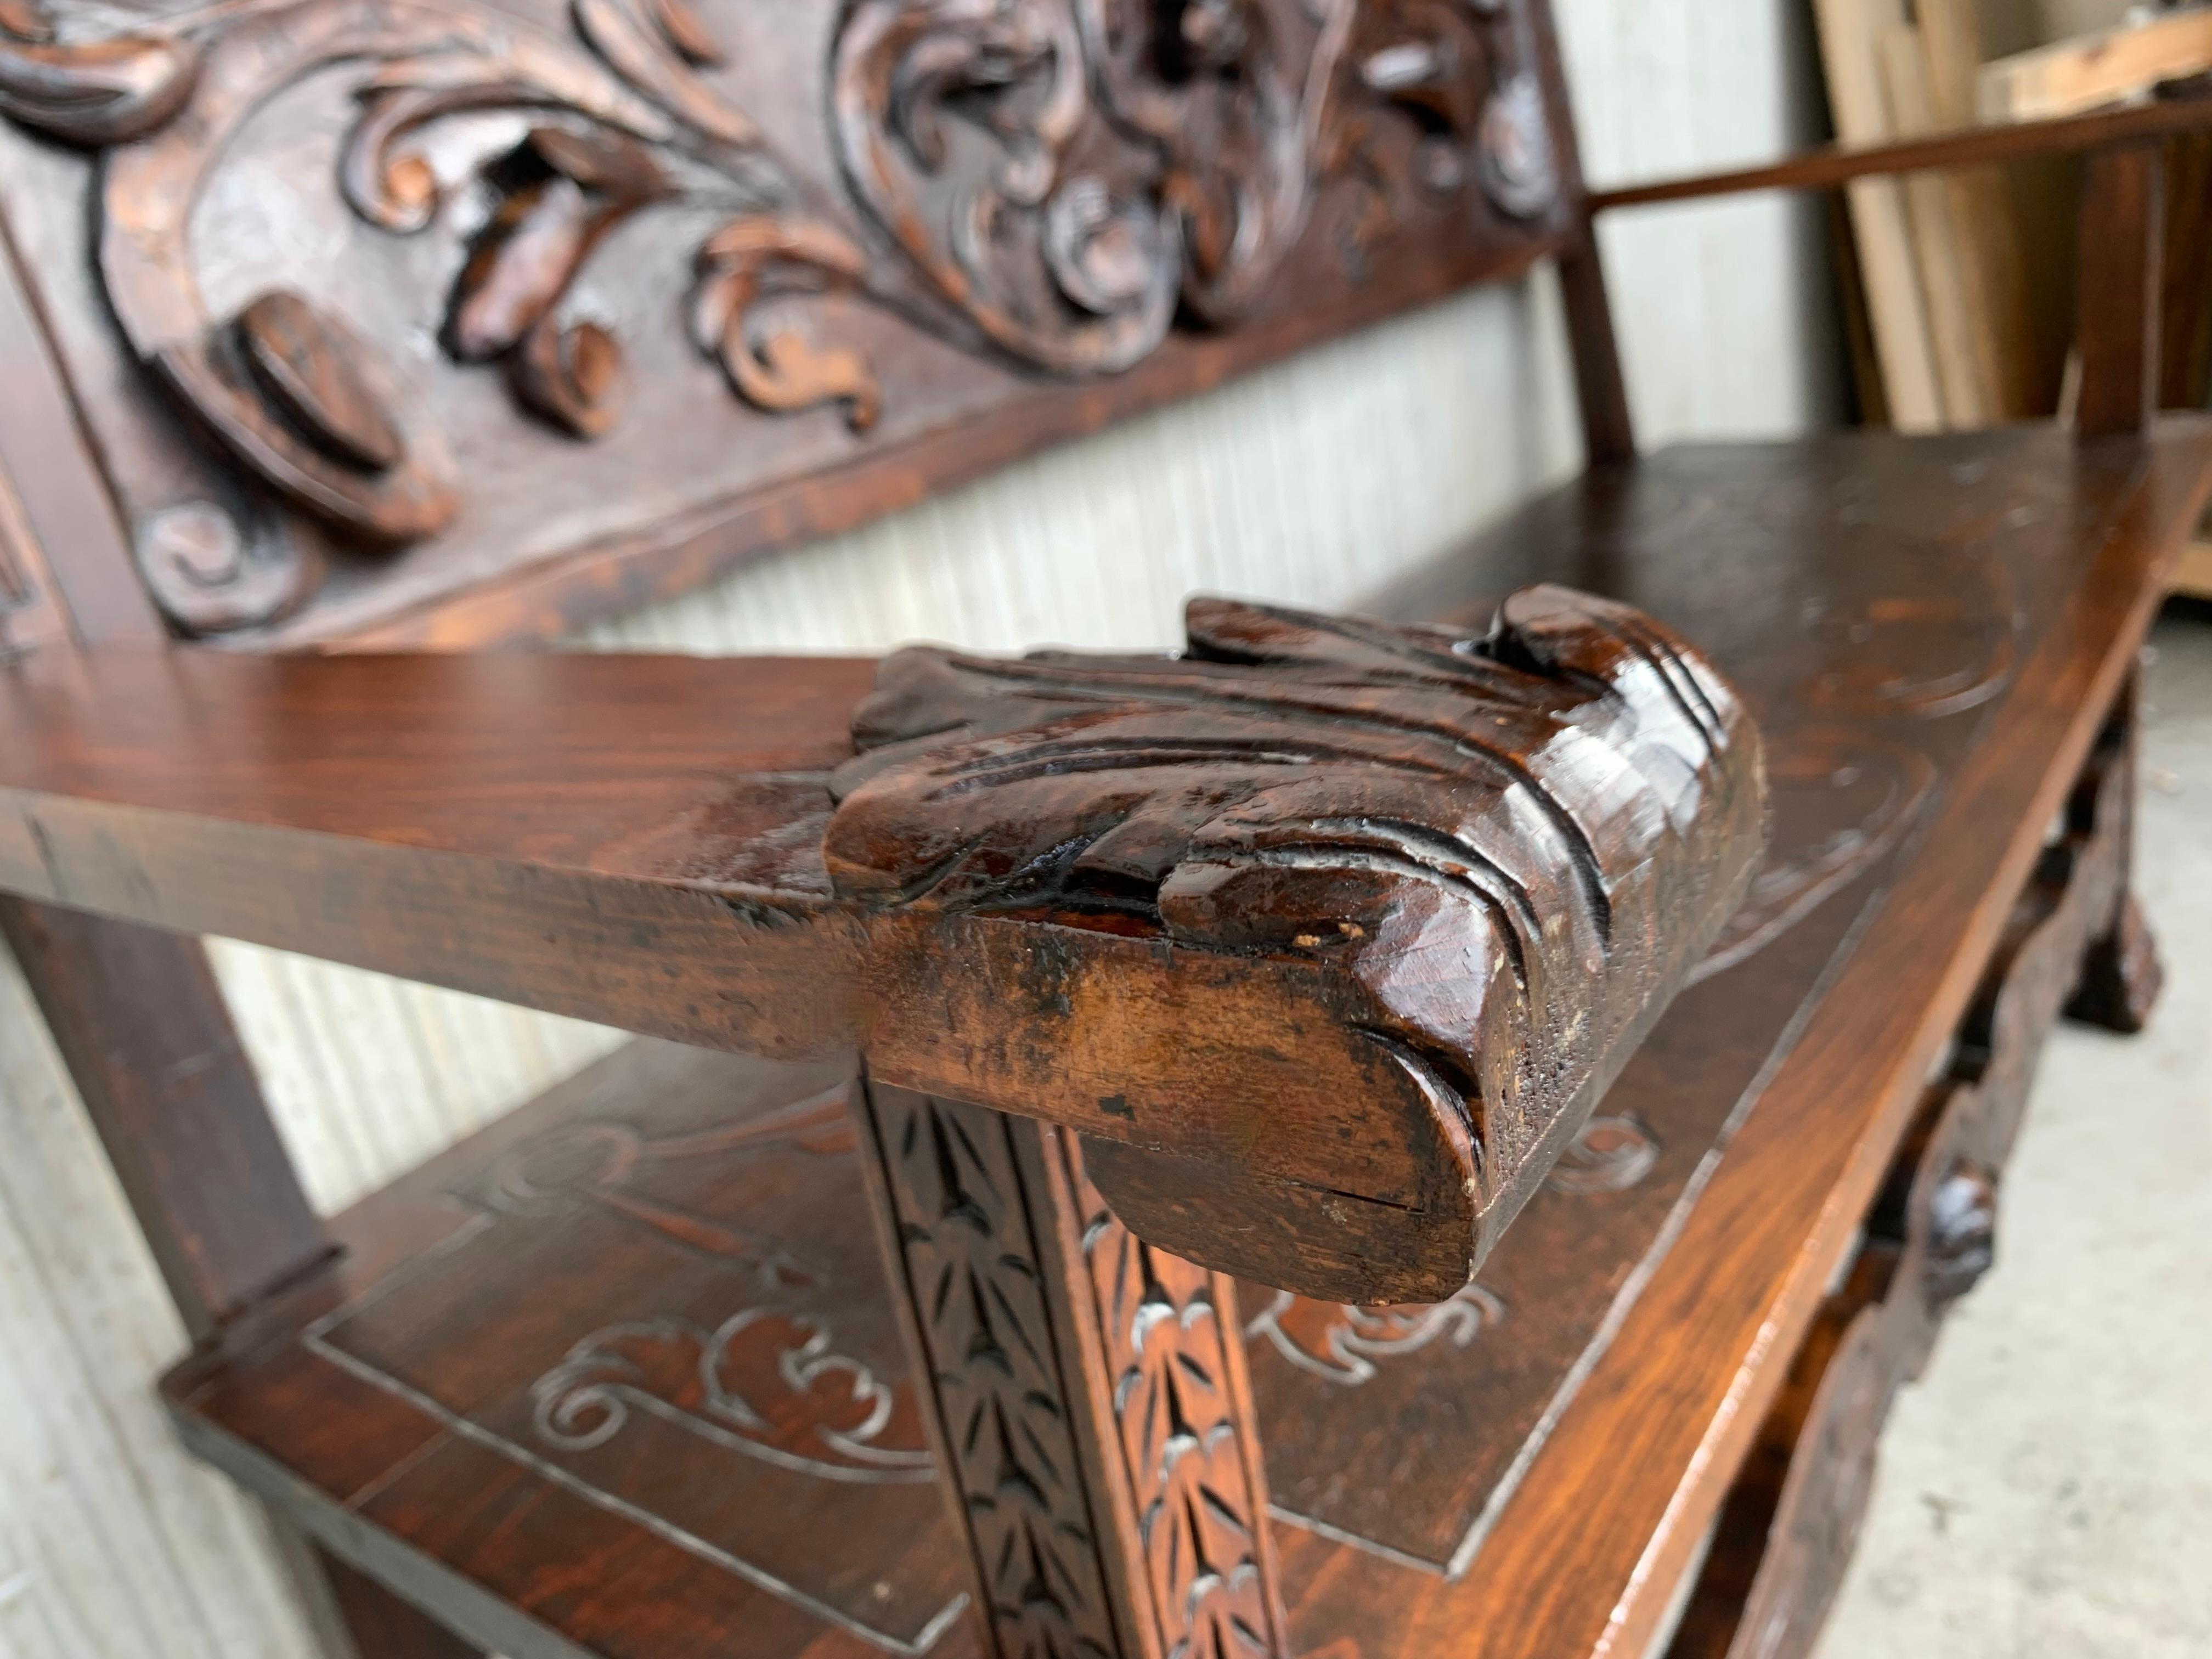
(1092, 1410)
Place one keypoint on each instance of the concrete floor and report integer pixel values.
(2046, 1487)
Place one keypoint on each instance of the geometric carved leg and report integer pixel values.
(1090, 1408)
(2120, 974)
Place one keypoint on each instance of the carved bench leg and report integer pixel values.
(1090, 1403)
(2120, 974)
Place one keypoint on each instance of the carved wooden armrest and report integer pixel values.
(1326, 934)
(1337, 929)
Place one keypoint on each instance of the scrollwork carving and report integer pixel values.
(1053, 181)
(1613, 1154)
(748, 1385)
(969, 131)
(781, 370)
(96, 92)
(1341, 1342)
(1428, 99)
(289, 389)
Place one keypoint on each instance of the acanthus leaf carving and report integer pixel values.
(1054, 181)
(1562, 808)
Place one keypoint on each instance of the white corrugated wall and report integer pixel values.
(1313, 481)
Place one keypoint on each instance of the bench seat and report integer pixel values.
(620, 1373)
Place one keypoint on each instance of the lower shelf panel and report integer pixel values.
(616, 1376)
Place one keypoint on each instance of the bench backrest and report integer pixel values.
(466, 327)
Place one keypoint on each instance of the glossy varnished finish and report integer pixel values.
(1922, 629)
(749, 272)
(1250, 981)
(1497, 853)
(1785, 1531)
(1927, 634)
(177, 1106)
(1584, 1555)
(619, 1376)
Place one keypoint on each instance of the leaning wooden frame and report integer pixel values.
(1191, 1028)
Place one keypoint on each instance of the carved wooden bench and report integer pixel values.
(1366, 1148)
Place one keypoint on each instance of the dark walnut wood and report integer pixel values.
(2123, 242)
(1341, 1049)
(1787, 1529)
(846, 247)
(1492, 857)
(1968, 146)
(1092, 1412)
(1978, 616)
(1926, 633)
(619, 1376)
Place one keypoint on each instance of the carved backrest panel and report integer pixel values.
(443, 321)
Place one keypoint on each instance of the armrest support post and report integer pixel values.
(1085, 1392)
(2123, 232)
(1609, 429)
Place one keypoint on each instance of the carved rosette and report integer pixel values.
(1055, 181)
(1502, 852)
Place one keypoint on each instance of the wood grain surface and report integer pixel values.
(1968, 147)
(1711, 1203)
(1288, 1101)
